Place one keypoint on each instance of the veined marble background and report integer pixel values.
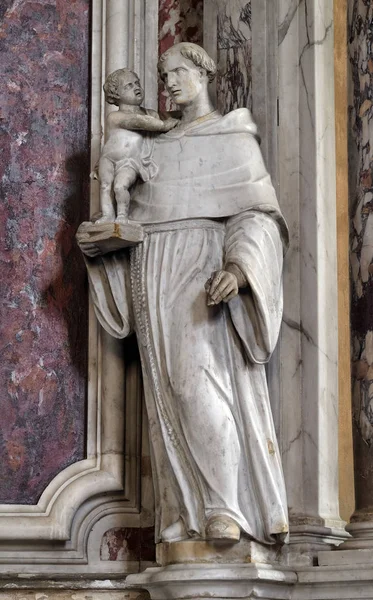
(126, 544)
(234, 56)
(44, 179)
(361, 238)
(179, 21)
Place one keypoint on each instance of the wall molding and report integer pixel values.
(105, 487)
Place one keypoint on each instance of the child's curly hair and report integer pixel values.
(111, 85)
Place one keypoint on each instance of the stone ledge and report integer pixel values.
(339, 558)
(338, 583)
(74, 588)
(67, 594)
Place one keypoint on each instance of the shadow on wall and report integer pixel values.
(44, 400)
(67, 293)
(43, 307)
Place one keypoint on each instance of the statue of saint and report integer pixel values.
(203, 292)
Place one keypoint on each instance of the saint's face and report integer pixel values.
(130, 90)
(183, 80)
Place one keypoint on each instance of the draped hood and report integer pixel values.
(221, 174)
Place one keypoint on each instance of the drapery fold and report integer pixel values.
(213, 443)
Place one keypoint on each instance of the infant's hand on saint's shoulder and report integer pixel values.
(169, 124)
(222, 286)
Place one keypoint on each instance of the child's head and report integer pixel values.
(123, 86)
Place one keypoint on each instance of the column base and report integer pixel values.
(307, 540)
(335, 583)
(360, 530)
(346, 571)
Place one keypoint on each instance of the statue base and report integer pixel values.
(198, 551)
(218, 581)
(199, 569)
(95, 239)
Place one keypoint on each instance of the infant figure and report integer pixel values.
(126, 155)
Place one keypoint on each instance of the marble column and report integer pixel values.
(309, 342)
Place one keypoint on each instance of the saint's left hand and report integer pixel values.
(222, 286)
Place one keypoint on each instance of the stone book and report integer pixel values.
(101, 238)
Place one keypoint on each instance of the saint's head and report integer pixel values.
(186, 69)
(123, 87)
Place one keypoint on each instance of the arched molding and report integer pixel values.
(108, 479)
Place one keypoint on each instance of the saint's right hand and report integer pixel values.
(222, 286)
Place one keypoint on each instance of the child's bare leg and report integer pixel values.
(106, 176)
(123, 181)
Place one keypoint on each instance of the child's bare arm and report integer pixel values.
(136, 122)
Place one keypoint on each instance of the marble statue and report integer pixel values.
(126, 154)
(203, 292)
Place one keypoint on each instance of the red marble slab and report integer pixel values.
(128, 544)
(44, 167)
(179, 21)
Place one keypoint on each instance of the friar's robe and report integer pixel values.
(214, 448)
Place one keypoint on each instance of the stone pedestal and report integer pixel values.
(196, 552)
(218, 581)
(198, 569)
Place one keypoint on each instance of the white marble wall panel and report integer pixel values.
(309, 340)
